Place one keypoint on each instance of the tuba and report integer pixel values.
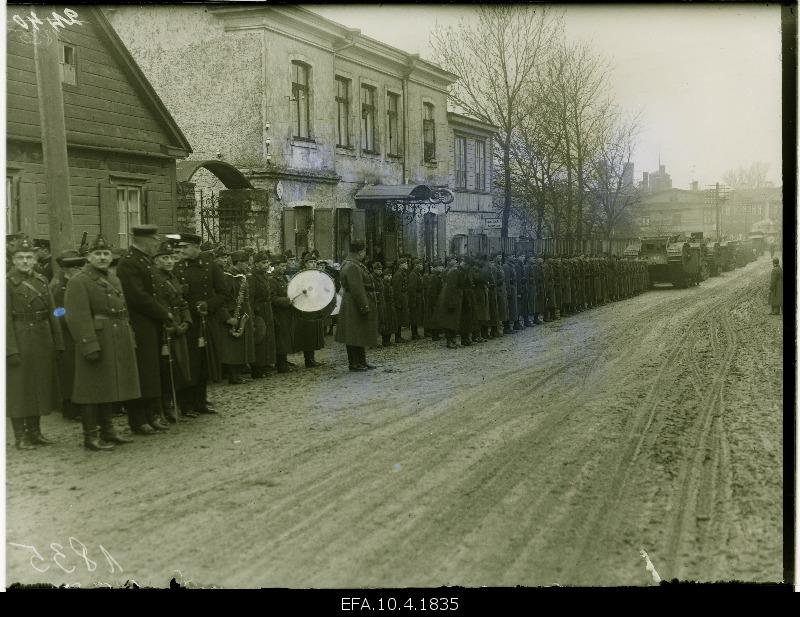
(237, 330)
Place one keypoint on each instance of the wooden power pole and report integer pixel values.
(47, 55)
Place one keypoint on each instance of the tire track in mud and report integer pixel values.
(605, 519)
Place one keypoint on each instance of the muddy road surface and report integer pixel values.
(554, 455)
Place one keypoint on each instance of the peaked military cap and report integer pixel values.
(99, 244)
(260, 256)
(141, 231)
(21, 245)
(70, 259)
(190, 239)
(165, 248)
(117, 253)
(280, 258)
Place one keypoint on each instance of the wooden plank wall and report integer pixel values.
(103, 109)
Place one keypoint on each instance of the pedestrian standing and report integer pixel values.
(416, 298)
(776, 287)
(148, 318)
(263, 321)
(237, 348)
(309, 331)
(105, 358)
(70, 263)
(33, 341)
(358, 319)
(283, 313)
(400, 292)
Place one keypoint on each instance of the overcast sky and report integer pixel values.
(706, 79)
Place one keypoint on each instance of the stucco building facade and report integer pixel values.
(311, 112)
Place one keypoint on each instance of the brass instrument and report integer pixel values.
(237, 330)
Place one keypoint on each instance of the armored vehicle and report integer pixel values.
(670, 259)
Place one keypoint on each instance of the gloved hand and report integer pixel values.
(93, 356)
(364, 310)
(14, 359)
(183, 328)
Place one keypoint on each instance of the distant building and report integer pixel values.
(676, 211)
(656, 181)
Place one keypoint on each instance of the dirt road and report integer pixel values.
(553, 455)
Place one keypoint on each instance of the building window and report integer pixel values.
(367, 119)
(676, 219)
(480, 165)
(645, 221)
(393, 115)
(460, 154)
(428, 133)
(342, 112)
(708, 217)
(68, 65)
(12, 215)
(128, 210)
(300, 102)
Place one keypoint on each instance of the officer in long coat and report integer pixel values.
(551, 289)
(432, 292)
(384, 323)
(263, 321)
(358, 319)
(480, 295)
(309, 331)
(70, 263)
(204, 289)
(522, 320)
(391, 311)
(500, 291)
(283, 313)
(450, 306)
(33, 340)
(540, 294)
(416, 298)
(175, 366)
(400, 292)
(105, 358)
(776, 287)
(148, 317)
(512, 301)
(488, 276)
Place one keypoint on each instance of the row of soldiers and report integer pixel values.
(485, 297)
(144, 331)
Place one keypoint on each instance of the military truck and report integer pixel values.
(727, 255)
(698, 246)
(670, 259)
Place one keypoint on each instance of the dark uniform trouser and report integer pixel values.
(356, 355)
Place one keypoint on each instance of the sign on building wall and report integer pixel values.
(493, 223)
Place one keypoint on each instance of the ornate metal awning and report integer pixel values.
(409, 201)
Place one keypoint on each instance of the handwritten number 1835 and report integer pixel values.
(78, 547)
(56, 21)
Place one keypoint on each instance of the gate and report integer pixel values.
(234, 217)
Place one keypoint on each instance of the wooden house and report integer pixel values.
(122, 143)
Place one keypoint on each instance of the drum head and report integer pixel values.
(311, 291)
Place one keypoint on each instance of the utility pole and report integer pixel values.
(715, 195)
(47, 57)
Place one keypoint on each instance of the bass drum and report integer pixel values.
(312, 293)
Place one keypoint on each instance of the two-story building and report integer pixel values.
(122, 143)
(342, 137)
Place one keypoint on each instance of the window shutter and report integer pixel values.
(358, 226)
(27, 208)
(323, 232)
(288, 230)
(148, 213)
(109, 216)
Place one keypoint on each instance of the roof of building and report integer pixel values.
(338, 36)
(139, 80)
(456, 118)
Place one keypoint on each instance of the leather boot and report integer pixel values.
(234, 378)
(33, 424)
(107, 431)
(506, 328)
(493, 332)
(21, 439)
(154, 412)
(91, 434)
(386, 340)
(466, 340)
(414, 333)
(485, 333)
(517, 325)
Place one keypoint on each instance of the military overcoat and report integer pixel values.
(358, 316)
(66, 364)
(32, 332)
(262, 310)
(97, 317)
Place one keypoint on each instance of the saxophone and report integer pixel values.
(241, 318)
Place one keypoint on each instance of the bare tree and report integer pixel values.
(752, 177)
(610, 192)
(497, 59)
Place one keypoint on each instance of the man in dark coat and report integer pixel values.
(540, 293)
(488, 276)
(263, 322)
(105, 358)
(776, 287)
(33, 340)
(385, 326)
(204, 289)
(480, 295)
(70, 263)
(358, 320)
(511, 294)
(176, 366)
(282, 313)
(309, 331)
(451, 303)
(237, 349)
(148, 317)
(500, 290)
(432, 291)
(400, 292)
(416, 298)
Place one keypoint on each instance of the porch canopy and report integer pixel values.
(407, 200)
